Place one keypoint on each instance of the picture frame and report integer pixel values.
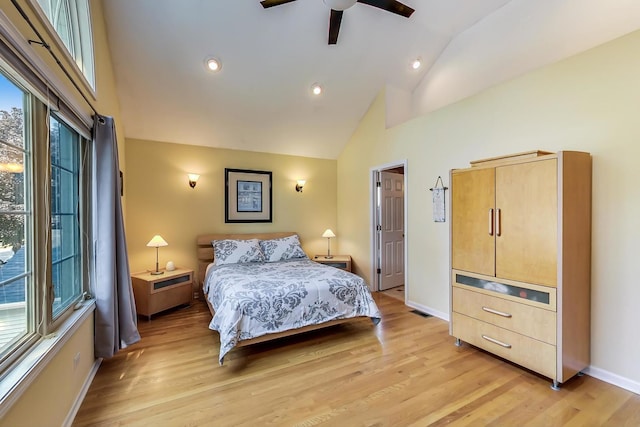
(247, 196)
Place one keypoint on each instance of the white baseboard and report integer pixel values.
(615, 379)
(428, 310)
(83, 392)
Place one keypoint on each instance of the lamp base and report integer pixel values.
(328, 256)
(156, 273)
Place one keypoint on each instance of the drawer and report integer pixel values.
(170, 298)
(525, 293)
(533, 354)
(524, 319)
(342, 265)
(170, 283)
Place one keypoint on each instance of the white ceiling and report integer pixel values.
(261, 99)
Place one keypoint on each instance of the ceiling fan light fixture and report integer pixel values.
(213, 64)
(340, 4)
(316, 89)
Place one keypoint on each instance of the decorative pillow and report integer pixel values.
(283, 248)
(236, 251)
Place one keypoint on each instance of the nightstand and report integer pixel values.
(343, 262)
(155, 293)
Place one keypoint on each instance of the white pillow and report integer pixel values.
(231, 251)
(282, 249)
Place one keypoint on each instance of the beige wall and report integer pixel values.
(55, 390)
(160, 200)
(106, 99)
(589, 102)
(366, 149)
(47, 403)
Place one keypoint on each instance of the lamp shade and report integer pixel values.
(157, 242)
(328, 233)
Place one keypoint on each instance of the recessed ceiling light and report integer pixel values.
(316, 89)
(213, 64)
(416, 63)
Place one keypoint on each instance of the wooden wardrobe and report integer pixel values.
(520, 259)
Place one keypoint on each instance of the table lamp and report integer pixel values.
(156, 242)
(328, 234)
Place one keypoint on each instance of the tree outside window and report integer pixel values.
(11, 178)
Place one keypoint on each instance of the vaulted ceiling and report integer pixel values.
(261, 99)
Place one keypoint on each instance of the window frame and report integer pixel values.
(30, 69)
(54, 320)
(36, 127)
(86, 47)
(32, 295)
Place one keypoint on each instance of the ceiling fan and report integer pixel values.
(339, 6)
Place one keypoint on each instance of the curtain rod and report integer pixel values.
(44, 44)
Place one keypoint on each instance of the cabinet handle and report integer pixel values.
(491, 222)
(498, 222)
(495, 341)
(499, 313)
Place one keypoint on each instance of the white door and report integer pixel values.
(392, 230)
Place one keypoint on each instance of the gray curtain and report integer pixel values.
(115, 316)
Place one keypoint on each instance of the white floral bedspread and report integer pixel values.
(254, 299)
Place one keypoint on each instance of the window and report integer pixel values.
(71, 21)
(41, 227)
(16, 280)
(65, 218)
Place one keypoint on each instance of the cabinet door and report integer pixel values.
(527, 222)
(472, 227)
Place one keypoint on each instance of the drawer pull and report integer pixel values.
(495, 341)
(499, 313)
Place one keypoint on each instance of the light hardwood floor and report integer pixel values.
(397, 292)
(404, 372)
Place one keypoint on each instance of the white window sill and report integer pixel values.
(24, 373)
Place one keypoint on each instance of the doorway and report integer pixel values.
(389, 229)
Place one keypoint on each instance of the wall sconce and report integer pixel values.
(193, 178)
(300, 184)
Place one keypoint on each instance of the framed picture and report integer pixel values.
(247, 196)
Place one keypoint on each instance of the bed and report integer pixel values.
(255, 297)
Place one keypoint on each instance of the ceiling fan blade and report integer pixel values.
(392, 6)
(271, 3)
(334, 25)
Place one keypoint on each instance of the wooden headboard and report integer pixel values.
(205, 248)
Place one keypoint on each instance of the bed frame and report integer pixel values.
(205, 257)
